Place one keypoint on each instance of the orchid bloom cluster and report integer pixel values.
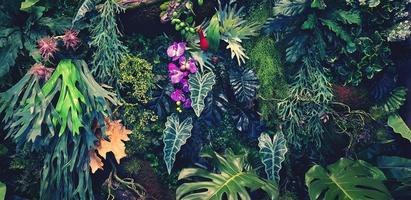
(47, 46)
(178, 70)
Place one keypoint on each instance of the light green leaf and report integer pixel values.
(373, 3)
(346, 180)
(399, 126)
(64, 79)
(175, 136)
(232, 181)
(309, 23)
(27, 4)
(396, 99)
(320, 4)
(2, 191)
(213, 33)
(272, 153)
(200, 86)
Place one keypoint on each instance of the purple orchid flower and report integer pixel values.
(178, 95)
(176, 50)
(175, 74)
(189, 65)
(187, 103)
(185, 85)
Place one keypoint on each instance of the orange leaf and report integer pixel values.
(95, 161)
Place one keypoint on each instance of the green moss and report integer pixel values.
(133, 166)
(136, 79)
(265, 59)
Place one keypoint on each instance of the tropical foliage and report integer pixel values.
(194, 99)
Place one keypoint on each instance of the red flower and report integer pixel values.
(203, 40)
(47, 47)
(70, 39)
(41, 71)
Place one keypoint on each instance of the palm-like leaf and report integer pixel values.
(200, 86)
(232, 181)
(175, 136)
(244, 84)
(346, 179)
(272, 153)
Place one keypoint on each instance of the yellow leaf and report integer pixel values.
(95, 161)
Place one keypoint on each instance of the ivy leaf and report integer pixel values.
(200, 86)
(175, 136)
(399, 126)
(3, 189)
(244, 84)
(272, 154)
(346, 179)
(213, 33)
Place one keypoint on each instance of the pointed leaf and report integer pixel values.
(200, 86)
(2, 191)
(395, 167)
(272, 154)
(399, 126)
(175, 136)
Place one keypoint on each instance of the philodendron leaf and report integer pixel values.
(200, 86)
(2, 191)
(272, 153)
(399, 126)
(245, 84)
(175, 136)
(395, 167)
(346, 180)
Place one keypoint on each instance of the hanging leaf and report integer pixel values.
(272, 153)
(346, 179)
(213, 33)
(200, 86)
(232, 181)
(244, 84)
(2, 191)
(395, 167)
(396, 122)
(175, 136)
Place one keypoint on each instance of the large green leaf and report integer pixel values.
(200, 86)
(65, 79)
(213, 33)
(272, 153)
(27, 4)
(232, 181)
(346, 180)
(245, 84)
(396, 122)
(175, 136)
(395, 167)
(2, 191)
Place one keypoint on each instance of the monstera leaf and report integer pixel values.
(200, 86)
(2, 191)
(272, 152)
(232, 181)
(175, 136)
(346, 179)
(399, 126)
(244, 84)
